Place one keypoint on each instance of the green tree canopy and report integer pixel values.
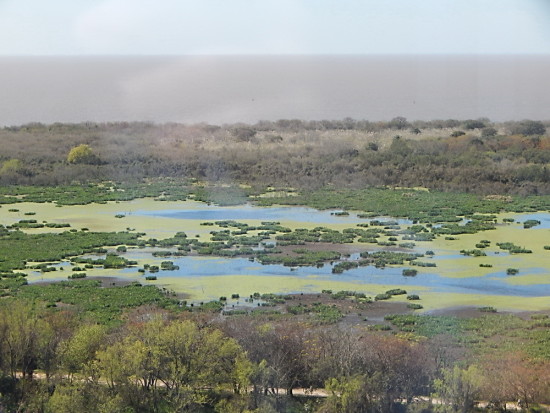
(529, 128)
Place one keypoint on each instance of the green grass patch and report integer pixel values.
(16, 248)
(104, 305)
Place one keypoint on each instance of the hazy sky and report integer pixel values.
(74, 27)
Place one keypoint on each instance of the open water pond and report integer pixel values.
(542, 217)
(250, 212)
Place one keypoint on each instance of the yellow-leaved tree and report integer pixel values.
(82, 154)
(11, 166)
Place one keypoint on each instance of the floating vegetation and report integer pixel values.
(512, 248)
(483, 244)
(367, 215)
(470, 227)
(408, 245)
(487, 309)
(414, 306)
(474, 253)
(77, 275)
(380, 297)
(343, 266)
(340, 213)
(530, 223)
(409, 272)
(168, 266)
(383, 258)
(396, 291)
(423, 236)
(302, 258)
(162, 254)
(423, 264)
(377, 223)
(345, 294)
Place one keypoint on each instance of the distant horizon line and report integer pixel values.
(85, 55)
(220, 124)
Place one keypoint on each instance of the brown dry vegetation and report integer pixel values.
(287, 153)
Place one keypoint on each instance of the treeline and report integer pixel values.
(468, 156)
(156, 360)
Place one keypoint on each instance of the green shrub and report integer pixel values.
(340, 213)
(162, 254)
(168, 266)
(514, 249)
(408, 245)
(530, 223)
(415, 306)
(409, 272)
(396, 291)
(343, 266)
(475, 253)
(423, 264)
(380, 297)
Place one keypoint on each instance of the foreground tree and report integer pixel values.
(512, 377)
(458, 388)
(176, 365)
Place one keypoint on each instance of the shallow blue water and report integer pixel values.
(244, 212)
(543, 217)
(194, 267)
(492, 284)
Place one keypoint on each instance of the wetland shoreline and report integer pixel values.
(156, 221)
